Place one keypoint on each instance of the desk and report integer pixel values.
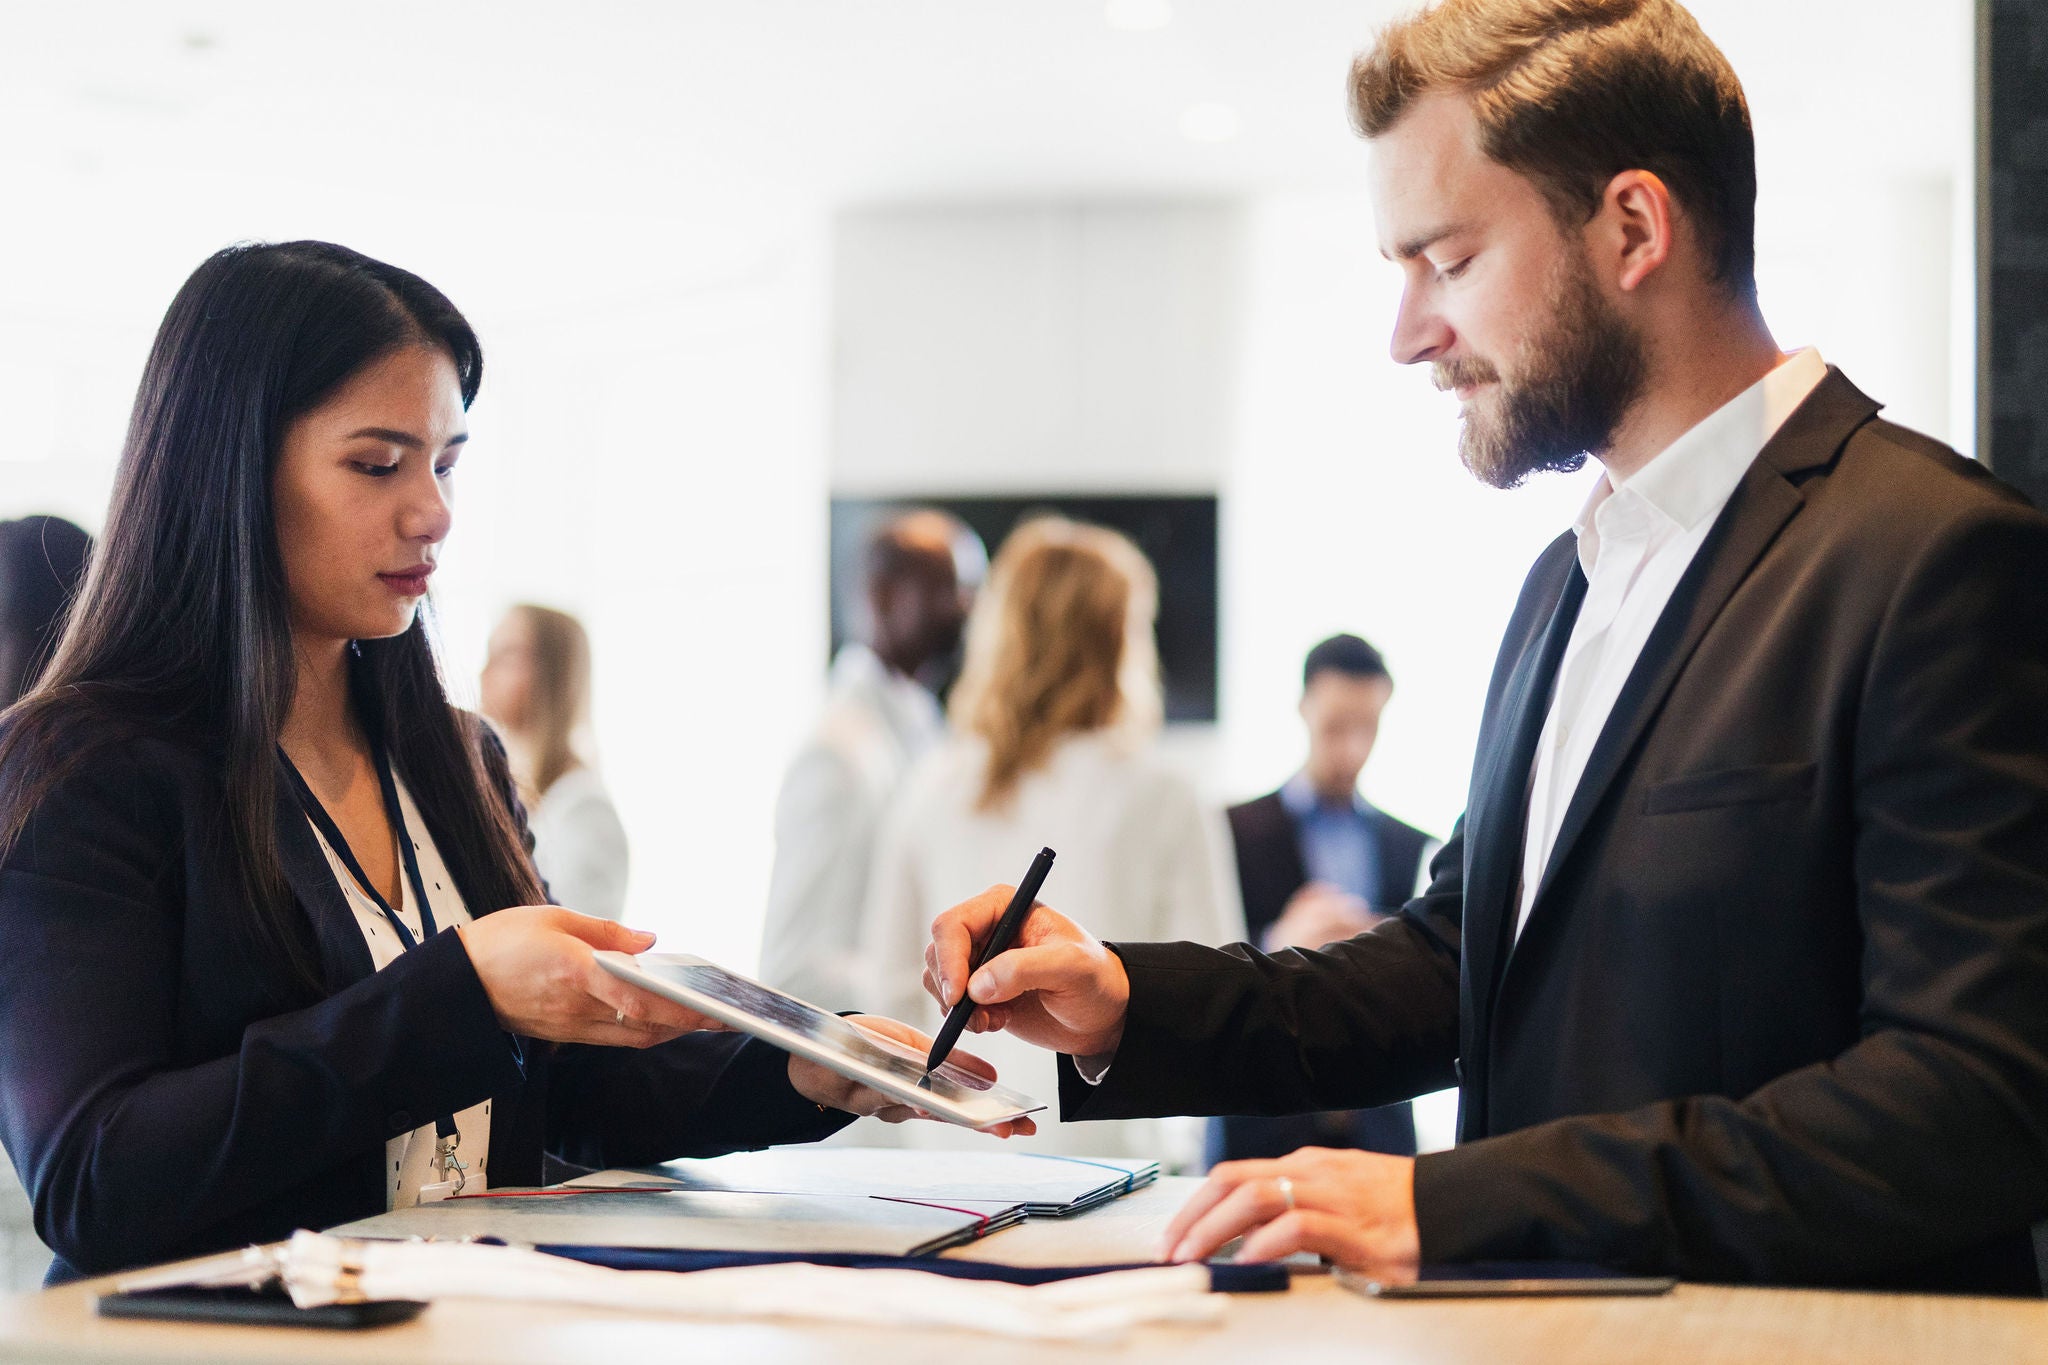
(1316, 1321)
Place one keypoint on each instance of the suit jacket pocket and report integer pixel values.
(1732, 787)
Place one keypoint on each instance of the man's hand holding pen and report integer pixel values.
(1062, 988)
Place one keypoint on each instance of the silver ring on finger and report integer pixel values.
(1286, 1188)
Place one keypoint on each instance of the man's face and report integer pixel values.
(1342, 714)
(1499, 300)
(919, 611)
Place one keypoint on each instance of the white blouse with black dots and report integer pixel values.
(409, 1158)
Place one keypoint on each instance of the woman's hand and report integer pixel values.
(539, 967)
(822, 1086)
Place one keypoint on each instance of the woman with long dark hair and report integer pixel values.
(238, 809)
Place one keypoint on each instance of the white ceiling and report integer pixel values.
(608, 145)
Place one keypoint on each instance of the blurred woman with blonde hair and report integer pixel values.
(1055, 721)
(536, 689)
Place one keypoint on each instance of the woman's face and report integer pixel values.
(363, 496)
(507, 683)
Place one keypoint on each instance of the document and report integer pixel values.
(1044, 1186)
(697, 1220)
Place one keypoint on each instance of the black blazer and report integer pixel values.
(162, 1095)
(1270, 870)
(1780, 1010)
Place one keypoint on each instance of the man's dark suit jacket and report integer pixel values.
(1780, 1009)
(162, 1095)
(1269, 872)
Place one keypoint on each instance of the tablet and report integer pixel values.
(953, 1094)
(1507, 1279)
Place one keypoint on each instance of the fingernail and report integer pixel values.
(978, 985)
(945, 990)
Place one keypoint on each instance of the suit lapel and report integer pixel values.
(344, 956)
(1762, 503)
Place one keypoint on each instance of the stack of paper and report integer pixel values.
(700, 1220)
(1040, 1186)
(852, 1201)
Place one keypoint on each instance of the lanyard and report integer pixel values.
(331, 832)
(444, 1126)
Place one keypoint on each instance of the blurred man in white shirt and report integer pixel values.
(919, 573)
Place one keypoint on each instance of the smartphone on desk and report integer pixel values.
(1505, 1279)
(268, 1306)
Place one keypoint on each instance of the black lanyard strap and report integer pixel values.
(444, 1126)
(331, 832)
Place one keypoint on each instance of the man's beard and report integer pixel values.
(1577, 383)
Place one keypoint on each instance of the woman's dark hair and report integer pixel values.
(183, 628)
(42, 560)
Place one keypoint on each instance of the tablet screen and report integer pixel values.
(891, 1067)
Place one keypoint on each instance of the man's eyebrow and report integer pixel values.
(401, 438)
(1416, 245)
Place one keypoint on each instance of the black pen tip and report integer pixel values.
(924, 1082)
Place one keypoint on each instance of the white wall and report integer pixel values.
(1034, 347)
(658, 468)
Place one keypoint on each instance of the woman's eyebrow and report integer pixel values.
(402, 438)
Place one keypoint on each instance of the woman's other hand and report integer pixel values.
(539, 967)
(822, 1086)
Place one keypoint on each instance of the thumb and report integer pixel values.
(604, 933)
(1021, 970)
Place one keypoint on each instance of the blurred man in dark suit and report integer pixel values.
(1317, 862)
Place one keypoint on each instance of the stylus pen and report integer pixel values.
(999, 941)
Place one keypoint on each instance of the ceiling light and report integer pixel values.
(1209, 122)
(1137, 16)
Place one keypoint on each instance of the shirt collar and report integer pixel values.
(1692, 479)
(1299, 796)
(910, 708)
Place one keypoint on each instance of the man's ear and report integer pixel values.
(1634, 228)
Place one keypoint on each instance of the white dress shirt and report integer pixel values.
(1636, 540)
(1141, 857)
(579, 844)
(875, 724)
(409, 1158)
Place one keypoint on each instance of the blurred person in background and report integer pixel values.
(1055, 721)
(1316, 863)
(42, 562)
(919, 572)
(536, 690)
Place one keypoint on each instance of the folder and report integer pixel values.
(698, 1220)
(804, 1200)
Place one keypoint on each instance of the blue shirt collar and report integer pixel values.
(1300, 799)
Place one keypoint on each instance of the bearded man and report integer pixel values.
(1740, 950)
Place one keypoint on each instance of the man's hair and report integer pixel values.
(1570, 93)
(1346, 654)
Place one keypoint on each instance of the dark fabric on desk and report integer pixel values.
(164, 1095)
(1780, 1012)
(1223, 1279)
